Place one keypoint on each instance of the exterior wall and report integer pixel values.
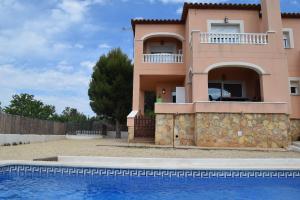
(130, 133)
(223, 129)
(141, 68)
(293, 57)
(184, 130)
(164, 129)
(258, 130)
(277, 65)
(169, 87)
(271, 57)
(295, 129)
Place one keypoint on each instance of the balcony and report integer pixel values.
(234, 38)
(163, 58)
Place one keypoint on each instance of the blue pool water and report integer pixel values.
(39, 185)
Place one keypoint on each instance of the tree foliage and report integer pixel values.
(25, 105)
(110, 89)
(71, 115)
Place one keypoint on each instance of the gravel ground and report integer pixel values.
(119, 148)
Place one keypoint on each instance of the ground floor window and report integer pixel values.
(294, 87)
(222, 90)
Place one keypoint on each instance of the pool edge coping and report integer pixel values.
(166, 163)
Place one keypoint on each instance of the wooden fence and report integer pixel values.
(13, 124)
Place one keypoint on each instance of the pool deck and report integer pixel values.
(166, 163)
(120, 148)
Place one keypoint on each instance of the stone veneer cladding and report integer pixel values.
(221, 130)
(295, 129)
(130, 133)
(164, 128)
(184, 129)
(258, 130)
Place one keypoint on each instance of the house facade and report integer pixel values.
(224, 75)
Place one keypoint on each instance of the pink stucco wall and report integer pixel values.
(277, 63)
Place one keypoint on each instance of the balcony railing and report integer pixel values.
(163, 58)
(234, 38)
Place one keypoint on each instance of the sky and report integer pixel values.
(49, 47)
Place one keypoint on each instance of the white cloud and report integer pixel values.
(179, 10)
(138, 18)
(79, 46)
(57, 87)
(39, 34)
(295, 2)
(104, 46)
(64, 66)
(87, 64)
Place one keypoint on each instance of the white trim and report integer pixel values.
(240, 102)
(169, 163)
(295, 79)
(191, 36)
(166, 34)
(159, 103)
(230, 22)
(254, 67)
(132, 114)
(291, 37)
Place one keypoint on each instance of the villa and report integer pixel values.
(224, 75)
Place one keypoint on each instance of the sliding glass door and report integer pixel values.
(219, 90)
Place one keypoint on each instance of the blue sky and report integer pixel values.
(48, 47)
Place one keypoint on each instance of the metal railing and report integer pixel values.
(163, 58)
(234, 38)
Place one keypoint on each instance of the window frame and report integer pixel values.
(294, 79)
(230, 22)
(242, 83)
(291, 38)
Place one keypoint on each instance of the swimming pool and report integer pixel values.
(57, 182)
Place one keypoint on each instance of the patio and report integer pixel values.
(120, 148)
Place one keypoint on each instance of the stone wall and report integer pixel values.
(164, 129)
(225, 130)
(256, 130)
(295, 129)
(184, 130)
(130, 134)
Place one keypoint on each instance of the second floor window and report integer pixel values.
(225, 33)
(288, 40)
(225, 28)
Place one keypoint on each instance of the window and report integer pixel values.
(288, 38)
(219, 26)
(224, 33)
(157, 48)
(294, 87)
(173, 96)
(218, 90)
(225, 28)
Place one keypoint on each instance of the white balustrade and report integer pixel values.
(234, 38)
(163, 58)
